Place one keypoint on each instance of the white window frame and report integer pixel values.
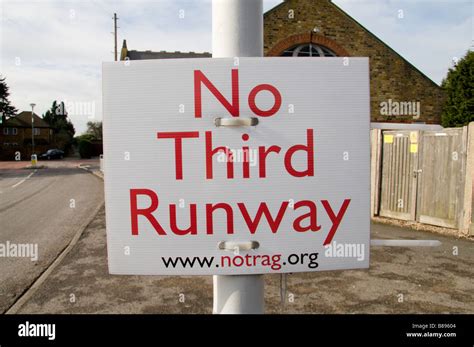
(295, 50)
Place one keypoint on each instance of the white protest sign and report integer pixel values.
(177, 186)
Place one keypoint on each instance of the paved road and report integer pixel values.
(44, 207)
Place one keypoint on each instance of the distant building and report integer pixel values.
(399, 92)
(143, 55)
(15, 136)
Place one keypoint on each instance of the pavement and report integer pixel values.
(400, 280)
(43, 208)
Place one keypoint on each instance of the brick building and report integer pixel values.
(400, 93)
(15, 136)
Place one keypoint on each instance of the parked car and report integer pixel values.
(52, 154)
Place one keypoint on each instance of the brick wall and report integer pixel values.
(391, 77)
(10, 144)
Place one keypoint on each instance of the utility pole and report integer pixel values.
(115, 35)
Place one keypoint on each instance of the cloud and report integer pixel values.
(55, 55)
(429, 34)
(53, 49)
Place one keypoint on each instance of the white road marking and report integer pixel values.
(23, 180)
(18, 183)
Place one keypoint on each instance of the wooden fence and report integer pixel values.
(424, 176)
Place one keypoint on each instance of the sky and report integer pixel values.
(54, 49)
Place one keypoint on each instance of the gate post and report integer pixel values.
(466, 222)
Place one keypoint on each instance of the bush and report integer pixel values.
(459, 87)
(85, 149)
(87, 137)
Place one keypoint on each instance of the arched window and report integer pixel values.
(308, 50)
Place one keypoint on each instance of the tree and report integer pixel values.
(459, 86)
(6, 107)
(85, 148)
(94, 129)
(62, 126)
(57, 118)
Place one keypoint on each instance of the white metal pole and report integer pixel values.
(237, 28)
(237, 31)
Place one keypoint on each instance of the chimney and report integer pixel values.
(124, 51)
